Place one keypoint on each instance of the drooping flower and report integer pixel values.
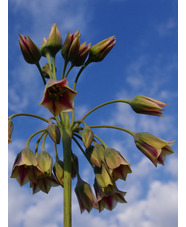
(54, 132)
(58, 96)
(87, 136)
(153, 147)
(30, 51)
(109, 198)
(85, 196)
(58, 170)
(25, 167)
(99, 51)
(145, 105)
(117, 164)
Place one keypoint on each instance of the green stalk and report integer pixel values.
(68, 71)
(39, 68)
(114, 127)
(54, 67)
(34, 134)
(67, 138)
(27, 114)
(49, 62)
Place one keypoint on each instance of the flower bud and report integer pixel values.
(44, 163)
(93, 155)
(82, 54)
(117, 164)
(71, 45)
(101, 49)
(101, 151)
(30, 51)
(145, 105)
(10, 129)
(87, 136)
(43, 48)
(85, 196)
(58, 170)
(54, 41)
(54, 132)
(75, 166)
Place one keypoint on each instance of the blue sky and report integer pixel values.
(143, 61)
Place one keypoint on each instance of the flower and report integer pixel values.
(87, 136)
(117, 164)
(108, 198)
(153, 147)
(44, 163)
(85, 196)
(25, 167)
(145, 105)
(58, 96)
(82, 54)
(101, 49)
(30, 51)
(43, 183)
(54, 41)
(58, 170)
(71, 46)
(103, 177)
(10, 129)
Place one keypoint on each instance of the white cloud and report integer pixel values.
(167, 27)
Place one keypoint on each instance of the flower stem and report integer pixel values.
(79, 73)
(49, 62)
(64, 69)
(68, 71)
(39, 68)
(66, 138)
(114, 127)
(34, 134)
(27, 114)
(54, 67)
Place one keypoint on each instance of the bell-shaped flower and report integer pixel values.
(93, 156)
(103, 177)
(99, 51)
(117, 164)
(153, 147)
(71, 46)
(10, 129)
(54, 41)
(145, 105)
(58, 96)
(82, 54)
(43, 183)
(85, 196)
(25, 167)
(108, 199)
(30, 51)
(44, 163)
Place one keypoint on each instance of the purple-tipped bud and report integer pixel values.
(99, 51)
(30, 51)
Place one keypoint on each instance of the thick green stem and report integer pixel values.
(67, 138)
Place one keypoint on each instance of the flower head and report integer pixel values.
(99, 51)
(85, 196)
(153, 147)
(25, 167)
(145, 105)
(30, 51)
(58, 96)
(117, 164)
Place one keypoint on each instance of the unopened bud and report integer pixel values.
(30, 51)
(54, 132)
(58, 170)
(87, 136)
(44, 163)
